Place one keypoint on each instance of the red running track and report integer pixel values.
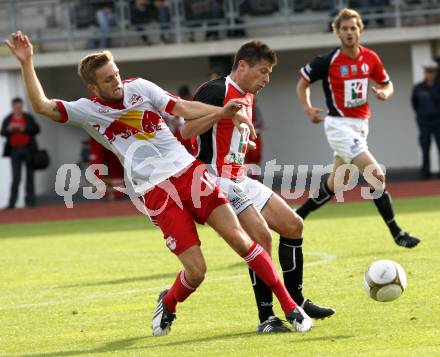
(102, 208)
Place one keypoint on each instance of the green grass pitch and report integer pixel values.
(89, 288)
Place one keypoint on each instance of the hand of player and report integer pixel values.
(379, 93)
(239, 119)
(251, 146)
(20, 46)
(232, 107)
(314, 114)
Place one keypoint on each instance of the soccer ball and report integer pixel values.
(384, 280)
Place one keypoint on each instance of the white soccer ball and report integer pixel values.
(384, 280)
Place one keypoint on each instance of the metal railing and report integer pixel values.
(54, 25)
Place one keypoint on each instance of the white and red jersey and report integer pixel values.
(345, 80)
(133, 129)
(223, 147)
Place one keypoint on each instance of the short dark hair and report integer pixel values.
(253, 52)
(16, 100)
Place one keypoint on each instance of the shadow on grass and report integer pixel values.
(109, 347)
(127, 344)
(144, 278)
(126, 224)
(78, 227)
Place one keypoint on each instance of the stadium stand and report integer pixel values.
(58, 25)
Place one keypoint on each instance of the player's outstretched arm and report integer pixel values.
(199, 126)
(303, 93)
(196, 110)
(22, 49)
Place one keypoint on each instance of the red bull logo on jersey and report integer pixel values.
(142, 125)
(136, 99)
(171, 243)
(152, 122)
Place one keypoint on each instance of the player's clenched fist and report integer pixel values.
(314, 114)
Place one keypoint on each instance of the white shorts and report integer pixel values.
(241, 194)
(346, 136)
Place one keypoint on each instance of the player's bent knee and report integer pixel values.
(295, 227)
(240, 241)
(195, 275)
(378, 183)
(263, 237)
(331, 182)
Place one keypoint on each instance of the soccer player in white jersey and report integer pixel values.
(345, 73)
(176, 188)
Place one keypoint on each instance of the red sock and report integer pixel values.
(260, 262)
(180, 290)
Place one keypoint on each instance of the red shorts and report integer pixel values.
(179, 201)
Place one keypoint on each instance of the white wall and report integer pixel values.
(290, 138)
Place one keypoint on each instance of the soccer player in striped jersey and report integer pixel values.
(177, 190)
(223, 146)
(345, 73)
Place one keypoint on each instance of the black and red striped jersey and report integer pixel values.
(223, 147)
(345, 80)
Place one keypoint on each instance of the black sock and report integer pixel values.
(383, 204)
(263, 297)
(324, 195)
(291, 261)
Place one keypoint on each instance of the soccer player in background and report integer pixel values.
(222, 146)
(345, 72)
(175, 187)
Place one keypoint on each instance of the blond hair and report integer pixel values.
(89, 64)
(347, 14)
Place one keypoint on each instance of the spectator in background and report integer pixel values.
(163, 8)
(371, 7)
(258, 7)
(143, 12)
(20, 129)
(425, 101)
(237, 20)
(198, 11)
(106, 19)
(381, 6)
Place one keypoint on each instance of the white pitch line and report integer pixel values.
(325, 258)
